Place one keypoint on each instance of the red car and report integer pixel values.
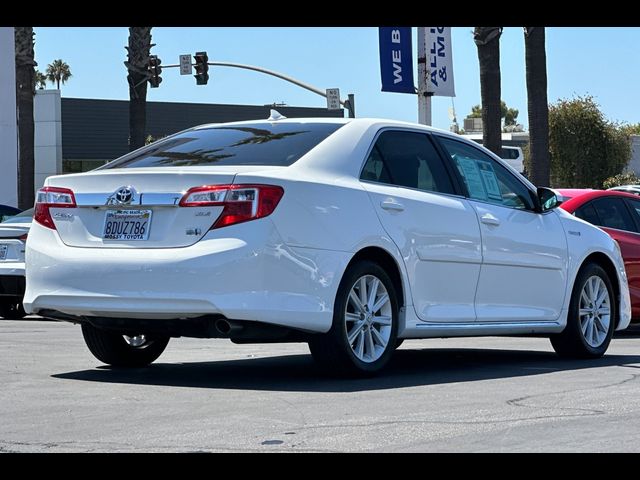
(618, 214)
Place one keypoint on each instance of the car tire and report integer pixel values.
(19, 311)
(591, 318)
(6, 310)
(12, 311)
(363, 336)
(119, 350)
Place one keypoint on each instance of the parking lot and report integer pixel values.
(475, 394)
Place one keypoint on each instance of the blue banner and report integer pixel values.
(396, 60)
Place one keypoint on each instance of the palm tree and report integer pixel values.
(41, 80)
(137, 62)
(25, 90)
(58, 72)
(536, 66)
(488, 42)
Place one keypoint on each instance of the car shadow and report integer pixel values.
(408, 368)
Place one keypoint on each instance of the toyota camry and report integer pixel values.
(348, 234)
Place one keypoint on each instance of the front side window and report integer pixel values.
(407, 159)
(260, 143)
(486, 179)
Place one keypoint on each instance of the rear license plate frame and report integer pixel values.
(128, 232)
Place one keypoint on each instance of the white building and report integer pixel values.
(8, 127)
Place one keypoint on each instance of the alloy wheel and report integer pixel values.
(137, 341)
(595, 311)
(368, 318)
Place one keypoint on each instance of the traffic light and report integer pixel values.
(202, 69)
(154, 71)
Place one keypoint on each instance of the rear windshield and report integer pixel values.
(278, 144)
(22, 217)
(509, 153)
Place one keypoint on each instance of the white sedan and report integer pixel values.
(348, 234)
(13, 236)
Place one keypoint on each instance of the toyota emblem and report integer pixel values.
(124, 195)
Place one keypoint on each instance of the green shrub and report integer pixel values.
(585, 148)
(627, 178)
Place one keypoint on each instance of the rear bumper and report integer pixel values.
(247, 275)
(624, 318)
(12, 284)
(208, 326)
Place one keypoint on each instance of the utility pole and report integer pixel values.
(424, 97)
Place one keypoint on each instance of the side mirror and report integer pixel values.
(548, 199)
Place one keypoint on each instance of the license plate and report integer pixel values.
(3, 251)
(127, 225)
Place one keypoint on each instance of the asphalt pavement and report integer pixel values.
(440, 395)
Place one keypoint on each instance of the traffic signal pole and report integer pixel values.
(311, 88)
(349, 104)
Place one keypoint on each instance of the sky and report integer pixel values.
(602, 62)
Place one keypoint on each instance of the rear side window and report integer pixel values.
(261, 143)
(407, 159)
(613, 213)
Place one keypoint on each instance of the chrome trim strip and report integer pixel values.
(169, 199)
(488, 325)
(477, 329)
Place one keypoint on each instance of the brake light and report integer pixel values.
(49, 197)
(241, 202)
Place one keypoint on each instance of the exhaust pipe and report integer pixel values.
(228, 328)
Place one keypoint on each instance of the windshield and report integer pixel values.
(22, 217)
(263, 143)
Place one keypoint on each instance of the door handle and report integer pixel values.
(489, 219)
(392, 205)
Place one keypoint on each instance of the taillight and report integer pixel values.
(49, 197)
(241, 202)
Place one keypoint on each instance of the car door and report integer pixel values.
(620, 218)
(524, 253)
(436, 230)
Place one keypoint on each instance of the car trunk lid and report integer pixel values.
(137, 208)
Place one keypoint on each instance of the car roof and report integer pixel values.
(581, 196)
(336, 120)
(574, 192)
(635, 188)
(363, 123)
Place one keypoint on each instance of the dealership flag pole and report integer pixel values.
(424, 97)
